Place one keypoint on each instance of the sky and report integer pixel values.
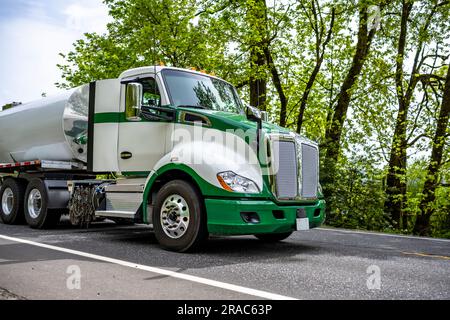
(32, 34)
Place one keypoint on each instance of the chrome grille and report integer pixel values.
(310, 171)
(286, 176)
(296, 169)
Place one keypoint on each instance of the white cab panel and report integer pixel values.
(105, 147)
(146, 141)
(210, 151)
(107, 100)
(107, 96)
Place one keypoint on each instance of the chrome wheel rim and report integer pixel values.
(34, 203)
(174, 216)
(7, 201)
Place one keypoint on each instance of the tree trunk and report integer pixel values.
(334, 129)
(395, 180)
(422, 225)
(304, 100)
(258, 26)
(315, 72)
(278, 86)
(258, 83)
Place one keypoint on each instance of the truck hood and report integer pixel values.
(228, 121)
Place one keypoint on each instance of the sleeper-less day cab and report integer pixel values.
(168, 147)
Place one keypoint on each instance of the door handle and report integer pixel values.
(126, 155)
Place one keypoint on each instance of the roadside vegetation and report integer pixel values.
(367, 79)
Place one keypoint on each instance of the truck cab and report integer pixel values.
(184, 154)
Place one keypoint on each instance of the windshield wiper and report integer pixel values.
(192, 106)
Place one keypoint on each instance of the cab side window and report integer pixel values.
(151, 95)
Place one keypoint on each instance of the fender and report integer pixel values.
(203, 160)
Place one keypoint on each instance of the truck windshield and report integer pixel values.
(187, 89)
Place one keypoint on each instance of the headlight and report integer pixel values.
(233, 182)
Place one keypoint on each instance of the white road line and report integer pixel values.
(383, 234)
(173, 274)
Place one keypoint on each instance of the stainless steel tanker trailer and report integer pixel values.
(54, 128)
(173, 148)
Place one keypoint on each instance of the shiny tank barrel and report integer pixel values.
(53, 128)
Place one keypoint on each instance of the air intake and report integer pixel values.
(310, 171)
(286, 177)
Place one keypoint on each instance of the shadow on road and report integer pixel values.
(138, 244)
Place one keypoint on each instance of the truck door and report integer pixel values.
(142, 142)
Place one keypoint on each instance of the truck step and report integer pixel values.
(116, 214)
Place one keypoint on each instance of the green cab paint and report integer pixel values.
(207, 189)
(224, 216)
(223, 207)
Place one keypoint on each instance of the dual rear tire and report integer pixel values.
(21, 202)
(12, 194)
(36, 211)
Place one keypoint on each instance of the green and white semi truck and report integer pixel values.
(168, 147)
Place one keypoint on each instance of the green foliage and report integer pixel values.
(225, 36)
(143, 33)
(7, 106)
(10, 105)
(440, 222)
(358, 197)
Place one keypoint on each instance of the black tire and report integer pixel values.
(17, 187)
(46, 218)
(196, 232)
(273, 237)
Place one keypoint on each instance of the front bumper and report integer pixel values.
(224, 216)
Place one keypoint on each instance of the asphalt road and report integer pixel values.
(126, 263)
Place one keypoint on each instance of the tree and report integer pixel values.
(336, 122)
(10, 105)
(323, 37)
(396, 176)
(143, 33)
(372, 97)
(257, 23)
(422, 224)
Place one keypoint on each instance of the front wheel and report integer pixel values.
(273, 237)
(179, 218)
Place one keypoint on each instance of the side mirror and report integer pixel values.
(133, 101)
(252, 113)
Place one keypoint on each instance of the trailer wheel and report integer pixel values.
(37, 214)
(273, 237)
(11, 197)
(179, 218)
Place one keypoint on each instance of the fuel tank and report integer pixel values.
(53, 128)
